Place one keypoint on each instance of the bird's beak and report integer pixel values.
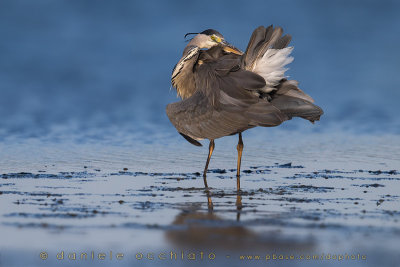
(230, 48)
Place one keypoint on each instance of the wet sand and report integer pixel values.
(117, 199)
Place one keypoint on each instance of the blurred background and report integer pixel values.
(88, 69)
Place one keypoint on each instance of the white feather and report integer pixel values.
(271, 66)
(187, 55)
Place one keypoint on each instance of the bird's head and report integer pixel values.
(210, 38)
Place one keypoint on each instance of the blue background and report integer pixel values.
(91, 68)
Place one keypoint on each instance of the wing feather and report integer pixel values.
(229, 91)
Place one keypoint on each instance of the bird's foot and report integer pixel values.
(205, 181)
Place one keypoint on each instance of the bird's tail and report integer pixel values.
(267, 54)
(293, 102)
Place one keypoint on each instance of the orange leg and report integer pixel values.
(238, 196)
(210, 151)
(240, 150)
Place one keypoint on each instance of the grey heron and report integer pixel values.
(225, 91)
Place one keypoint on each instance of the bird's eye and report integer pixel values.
(215, 38)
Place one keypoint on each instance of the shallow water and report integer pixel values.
(79, 198)
(89, 161)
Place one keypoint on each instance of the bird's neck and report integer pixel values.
(182, 76)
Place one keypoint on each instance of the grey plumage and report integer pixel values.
(182, 77)
(222, 103)
(225, 92)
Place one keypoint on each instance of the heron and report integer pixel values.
(225, 91)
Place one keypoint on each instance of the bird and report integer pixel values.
(225, 91)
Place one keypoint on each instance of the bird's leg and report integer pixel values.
(210, 204)
(238, 196)
(240, 150)
(210, 151)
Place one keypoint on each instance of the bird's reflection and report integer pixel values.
(197, 228)
(238, 204)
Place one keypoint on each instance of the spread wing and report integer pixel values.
(233, 93)
(223, 104)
